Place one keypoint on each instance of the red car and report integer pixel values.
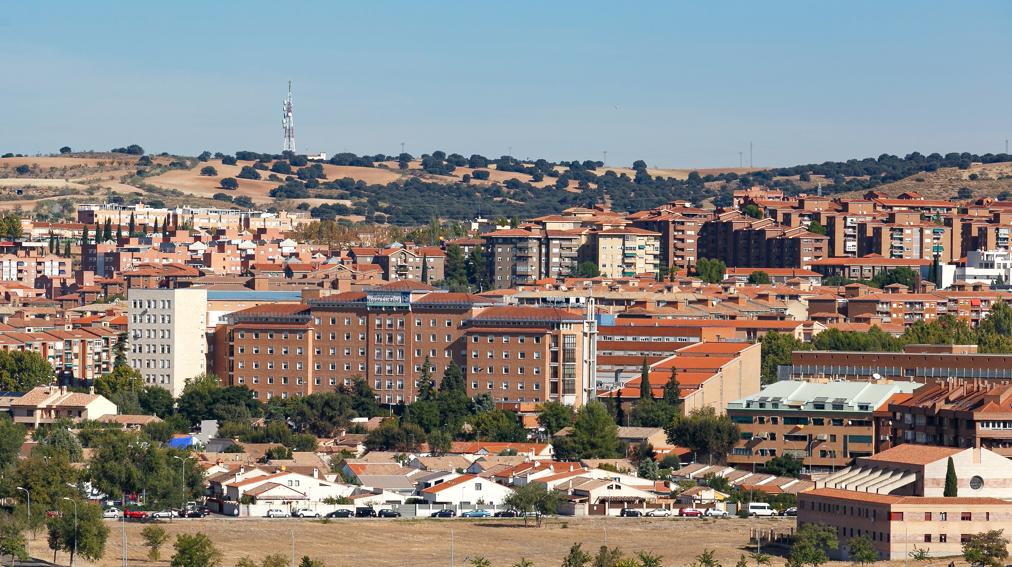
(691, 512)
(135, 514)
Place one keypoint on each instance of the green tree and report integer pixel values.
(307, 562)
(59, 440)
(587, 269)
(709, 435)
(479, 561)
(594, 435)
(497, 425)
(12, 436)
(752, 210)
(13, 542)
(154, 538)
(425, 269)
(155, 400)
(195, 550)
(706, 559)
(607, 557)
(21, 371)
(646, 393)
(710, 270)
(122, 378)
(209, 171)
(812, 545)
(783, 465)
(10, 225)
(395, 435)
(523, 562)
(647, 559)
(951, 483)
(759, 277)
(816, 228)
(440, 442)
(988, 549)
(672, 390)
(275, 560)
(456, 268)
(862, 550)
(776, 351)
(426, 385)
(553, 416)
(532, 499)
(576, 557)
(83, 532)
(229, 183)
(107, 230)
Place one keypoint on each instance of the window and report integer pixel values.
(942, 538)
(895, 516)
(927, 538)
(943, 516)
(976, 482)
(966, 516)
(927, 517)
(477, 486)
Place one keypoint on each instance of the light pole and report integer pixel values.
(28, 494)
(73, 557)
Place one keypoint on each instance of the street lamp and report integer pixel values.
(28, 494)
(73, 558)
(182, 477)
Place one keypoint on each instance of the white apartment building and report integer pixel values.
(167, 335)
(987, 266)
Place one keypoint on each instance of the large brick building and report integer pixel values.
(385, 334)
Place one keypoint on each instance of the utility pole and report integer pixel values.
(750, 157)
(402, 147)
(28, 495)
(604, 160)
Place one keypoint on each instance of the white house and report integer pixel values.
(466, 489)
(285, 490)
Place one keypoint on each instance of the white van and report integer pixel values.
(760, 509)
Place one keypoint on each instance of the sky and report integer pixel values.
(677, 84)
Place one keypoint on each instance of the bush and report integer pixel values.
(248, 173)
(229, 183)
(132, 149)
(65, 150)
(222, 197)
(209, 171)
(480, 174)
(228, 160)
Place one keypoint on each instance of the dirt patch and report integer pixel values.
(369, 543)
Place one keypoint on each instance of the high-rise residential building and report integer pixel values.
(739, 240)
(627, 252)
(513, 256)
(678, 226)
(167, 332)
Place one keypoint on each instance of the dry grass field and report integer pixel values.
(990, 180)
(367, 543)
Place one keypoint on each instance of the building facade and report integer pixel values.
(167, 334)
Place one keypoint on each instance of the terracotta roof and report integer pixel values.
(872, 497)
(450, 483)
(911, 454)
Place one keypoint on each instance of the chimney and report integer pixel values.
(316, 472)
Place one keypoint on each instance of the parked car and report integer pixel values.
(792, 511)
(659, 513)
(630, 513)
(162, 514)
(476, 514)
(716, 513)
(306, 513)
(340, 513)
(196, 513)
(277, 513)
(691, 513)
(444, 513)
(111, 513)
(135, 514)
(388, 513)
(365, 512)
(760, 509)
(505, 514)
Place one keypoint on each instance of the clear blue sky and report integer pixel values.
(676, 84)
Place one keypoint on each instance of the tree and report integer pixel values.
(532, 499)
(307, 562)
(154, 538)
(587, 270)
(10, 225)
(21, 371)
(84, 236)
(12, 436)
(710, 436)
(647, 559)
(988, 549)
(425, 269)
(646, 392)
(13, 542)
(576, 557)
(759, 277)
(228, 183)
(81, 531)
(123, 378)
(395, 435)
(706, 559)
(479, 561)
(862, 550)
(275, 560)
(456, 268)
(710, 270)
(523, 562)
(155, 400)
(951, 483)
(497, 425)
(776, 351)
(65, 150)
(672, 391)
(553, 416)
(107, 230)
(59, 440)
(195, 550)
(815, 228)
(209, 171)
(812, 544)
(783, 465)
(607, 557)
(248, 172)
(752, 210)
(594, 434)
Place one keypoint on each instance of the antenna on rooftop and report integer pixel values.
(288, 122)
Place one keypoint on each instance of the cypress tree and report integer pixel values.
(645, 392)
(671, 390)
(107, 230)
(951, 484)
(425, 269)
(84, 235)
(66, 249)
(133, 226)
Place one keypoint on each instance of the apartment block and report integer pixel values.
(513, 256)
(918, 363)
(738, 240)
(826, 425)
(25, 262)
(908, 235)
(406, 263)
(167, 330)
(625, 252)
(678, 228)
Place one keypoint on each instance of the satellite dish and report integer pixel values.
(876, 376)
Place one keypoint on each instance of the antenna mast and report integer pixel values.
(288, 123)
